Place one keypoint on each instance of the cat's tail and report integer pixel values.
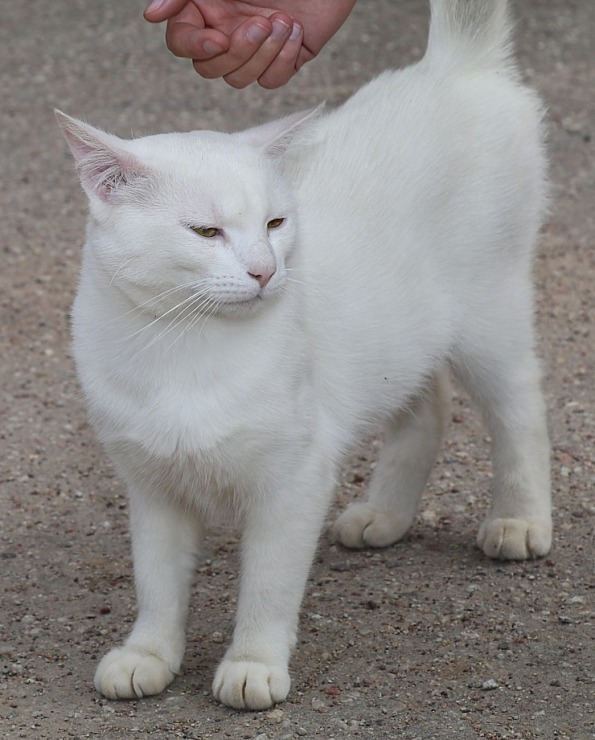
(470, 33)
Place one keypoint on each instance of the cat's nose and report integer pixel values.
(263, 274)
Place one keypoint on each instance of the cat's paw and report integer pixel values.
(361, 525)
(250, 685)
(515, 539)
(131, 673)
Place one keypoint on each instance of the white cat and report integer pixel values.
(252, 304)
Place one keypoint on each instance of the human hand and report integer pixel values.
(244, 42)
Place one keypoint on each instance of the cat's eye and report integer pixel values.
(207, 231)
(275, 223)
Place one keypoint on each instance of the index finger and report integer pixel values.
(188, 41)
(160, 10)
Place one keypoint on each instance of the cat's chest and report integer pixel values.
(195, 418)
(192, 403)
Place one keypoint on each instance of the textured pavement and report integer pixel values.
(425, 640)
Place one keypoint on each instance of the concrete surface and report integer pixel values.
(425, 640)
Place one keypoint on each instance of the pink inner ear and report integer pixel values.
(104, 172)
(276, 136)
(103, 167)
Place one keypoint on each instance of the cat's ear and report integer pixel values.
(276, 136)
(103, 165)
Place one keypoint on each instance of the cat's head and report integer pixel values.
(191, 223)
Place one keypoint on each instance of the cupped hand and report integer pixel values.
(244, 42)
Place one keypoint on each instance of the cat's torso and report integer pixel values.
(370, 310)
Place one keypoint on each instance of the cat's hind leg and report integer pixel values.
(500, 371)
(412, 442)
(165, 540)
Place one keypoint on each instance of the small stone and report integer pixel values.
(301, 731)
(490, 685)
(217, 637)
(341, 724)
(340, 567)
(318, 705)
(275, 715)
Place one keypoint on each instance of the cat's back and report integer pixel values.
(413, 197)
(415, 149)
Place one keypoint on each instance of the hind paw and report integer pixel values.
(361, 525)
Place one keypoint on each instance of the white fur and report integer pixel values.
(410, 218)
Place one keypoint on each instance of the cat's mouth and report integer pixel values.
(244, 304)
(239, 304)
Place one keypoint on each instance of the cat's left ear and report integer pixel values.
(276, 137)
(104, 166)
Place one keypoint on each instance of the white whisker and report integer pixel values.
(160, 318)
(193, 303)
(122, 266)
(217, 303)
(154, 299)
(189, 316)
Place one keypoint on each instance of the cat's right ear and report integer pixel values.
(103, 165)
(276, 137)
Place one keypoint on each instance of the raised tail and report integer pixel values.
(473, 33)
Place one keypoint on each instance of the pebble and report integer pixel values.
(341, 724)
(490, 685)
(275, 715)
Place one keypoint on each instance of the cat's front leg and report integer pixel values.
(164, 544)
(278, 547)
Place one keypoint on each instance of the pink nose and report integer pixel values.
(263, 276)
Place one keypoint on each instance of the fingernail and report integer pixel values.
(280, 29)
(295, 32)
(212, 48)
(154, 5)
(256, 34)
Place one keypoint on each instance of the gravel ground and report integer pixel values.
(427, 639)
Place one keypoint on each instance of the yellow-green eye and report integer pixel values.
(207, 231)
(275, 223)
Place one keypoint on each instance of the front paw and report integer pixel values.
(515, 539)
(250, 685)
(131, 673)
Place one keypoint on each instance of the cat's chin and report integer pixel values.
(244, 308)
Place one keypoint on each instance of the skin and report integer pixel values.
(246, 42)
